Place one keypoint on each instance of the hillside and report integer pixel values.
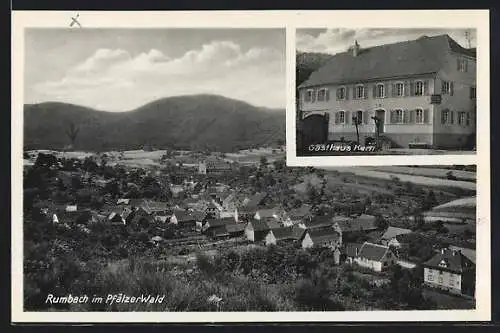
(308, 62)
(195, 122)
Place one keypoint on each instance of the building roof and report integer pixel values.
(450, 260)
(268, 212)
(259, 225)
(211, 223)
(392, 232)
(199, 216)
(183, 216)
(298, 232)
(323, 236)
(319, 222)
(301, 212)
(352, 249)
(154, 206)
(372, 251)
(469, 253)
(424, 55)
(361, 223)
(283, 233)
(235, 227)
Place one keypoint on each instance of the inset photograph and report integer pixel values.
(385, 91)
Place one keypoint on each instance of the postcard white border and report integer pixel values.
(269, 19)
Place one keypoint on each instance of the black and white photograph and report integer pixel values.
(152, 179)
(386, 91)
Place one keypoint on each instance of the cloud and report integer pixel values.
(116, 80)
(338, 40)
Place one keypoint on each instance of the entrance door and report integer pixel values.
(380, 114)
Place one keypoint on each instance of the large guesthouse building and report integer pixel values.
(421, 92)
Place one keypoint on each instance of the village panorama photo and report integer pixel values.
(402, 91)
(155, 178)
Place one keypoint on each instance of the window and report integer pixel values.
(341, 117)
(310, 95)
(360, 92)
(430, 277)
(419, 116)
(419, 88)
(472, 93)
(445, 116)
(462, 118)
(322, 94)
(397, 116)
(359, 117)
(341, 93)
(400, 89)
(446, 87)
(440, 279)
(462, 65)
(468, 120)
(380, 92)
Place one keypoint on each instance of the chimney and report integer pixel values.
(355, 49)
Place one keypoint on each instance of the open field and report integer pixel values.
(427, 181)
(447, 301)
(427, 172)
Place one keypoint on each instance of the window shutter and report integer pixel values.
(313, 99)
(374, 91)
(451, 117)
(426, 116)
(470, 93)
(365, 93)
(451, 88)
(327, 94)
(338, 93)
(346, 92)
(392, 120)
(406, 118)
(412, 116)
(412, 88)
(346, 117)
(406, 88)
(394, 90)
(443, 89)
(466, 65)
(306, 96)
(458, 64)
(366, 116)
(426, 87)
(386, 90)
(467, 121)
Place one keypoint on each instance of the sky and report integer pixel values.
(122, 69)
(338, 40)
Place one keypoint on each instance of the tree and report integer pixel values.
(263, 161)
(429, 201)
(72, 133)
(380, 222)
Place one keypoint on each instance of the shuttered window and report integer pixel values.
(419, 88)
(359, 92)
(445, 116)
(419, 116)
(309, 95)
(322, 95)
(399, 89)
(397, 116)
(472, 93)
(462, 118)
(341, 93)
(340, 117)
(380, 90)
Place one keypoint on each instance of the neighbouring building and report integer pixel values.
(349, 227)
(216, 228)
(389, 238)
(452, 271)
(298, 215)
(183, 219)
(213, 166)
(375, 257)
(324, 237)
(256, 230)
(422, 92)
(280, 235)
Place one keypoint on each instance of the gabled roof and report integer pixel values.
(218, 222)
(301, 212)
(323, 236)
(352, 249)
(298, 232)
(199, 216)
(283, 233)
(372, 251)
(361, 223)
(272, 223)
(235, 227)
(450, 260)
(259, 225)
(268, 212)
(319, 222)
(183, 216)
(392, 232)
(469, 253)
(424, 55)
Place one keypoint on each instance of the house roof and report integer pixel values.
(361, 223)
(183, 216)
(218, 222)
(392, 232)
(199, 216)
(372, 251)
(323, 236)
(453, 261)
(350, 249)
(300, 212)
(424, 55)
(268, 212)
(217, 164)
(319, 222)
(154, 206)
(283, 233)
(259, 225)
(272, 223)
(469, 253)
(298, 232)
(235, 227)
